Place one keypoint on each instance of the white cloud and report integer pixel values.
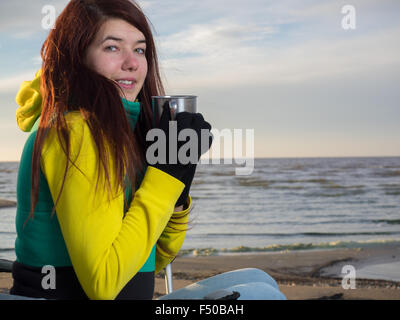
(222, 54)
(211, 38)
(273, 41)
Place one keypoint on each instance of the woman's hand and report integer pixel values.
(178, 209)
(196, 141)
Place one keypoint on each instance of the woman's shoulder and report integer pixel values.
(78, 132)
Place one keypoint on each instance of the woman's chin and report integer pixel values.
(129, 97)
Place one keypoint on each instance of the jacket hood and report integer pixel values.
(29, 100)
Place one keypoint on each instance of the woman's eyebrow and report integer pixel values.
(121, 40)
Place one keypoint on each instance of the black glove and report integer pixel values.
(181, 171)
(197, 122)
(187, 180)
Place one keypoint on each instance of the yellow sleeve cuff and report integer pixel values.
(172, 238)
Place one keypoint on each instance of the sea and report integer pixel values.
(285, 204)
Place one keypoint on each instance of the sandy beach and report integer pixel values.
(301, 275)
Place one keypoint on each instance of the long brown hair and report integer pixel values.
(67, 84)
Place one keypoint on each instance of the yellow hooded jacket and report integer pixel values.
(105, 246)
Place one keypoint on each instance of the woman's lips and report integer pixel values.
(126, 86)
(126, 83)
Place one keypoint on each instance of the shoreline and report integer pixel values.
(313, 274)
(7, 203)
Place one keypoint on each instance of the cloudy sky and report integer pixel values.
(286, 69)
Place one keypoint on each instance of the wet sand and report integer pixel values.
(303, 274)
(300, 275)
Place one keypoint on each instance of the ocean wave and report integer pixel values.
(199, 181)
(280, 187)
(289, 247)
(392, 193)
(321, 180)
(7, 232)
(253, 182)
(388, 173)
(221, 173)
(337, 186)
(324, 221)
(345, 193)
(391, 189)
(302, 234)
(388, 221)
(7, 170)
(291, 184)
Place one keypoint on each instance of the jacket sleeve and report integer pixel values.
(171, 240)
(106, 248)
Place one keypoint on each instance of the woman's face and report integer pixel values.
(118, 53)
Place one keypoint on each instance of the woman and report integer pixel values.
(88, 205)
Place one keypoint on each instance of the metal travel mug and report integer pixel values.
(176, 104)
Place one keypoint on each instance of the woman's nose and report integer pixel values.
(131, 63)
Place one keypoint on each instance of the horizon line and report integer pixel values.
(275, 157)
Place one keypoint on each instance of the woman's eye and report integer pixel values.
(141, 50)
(110, 48)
